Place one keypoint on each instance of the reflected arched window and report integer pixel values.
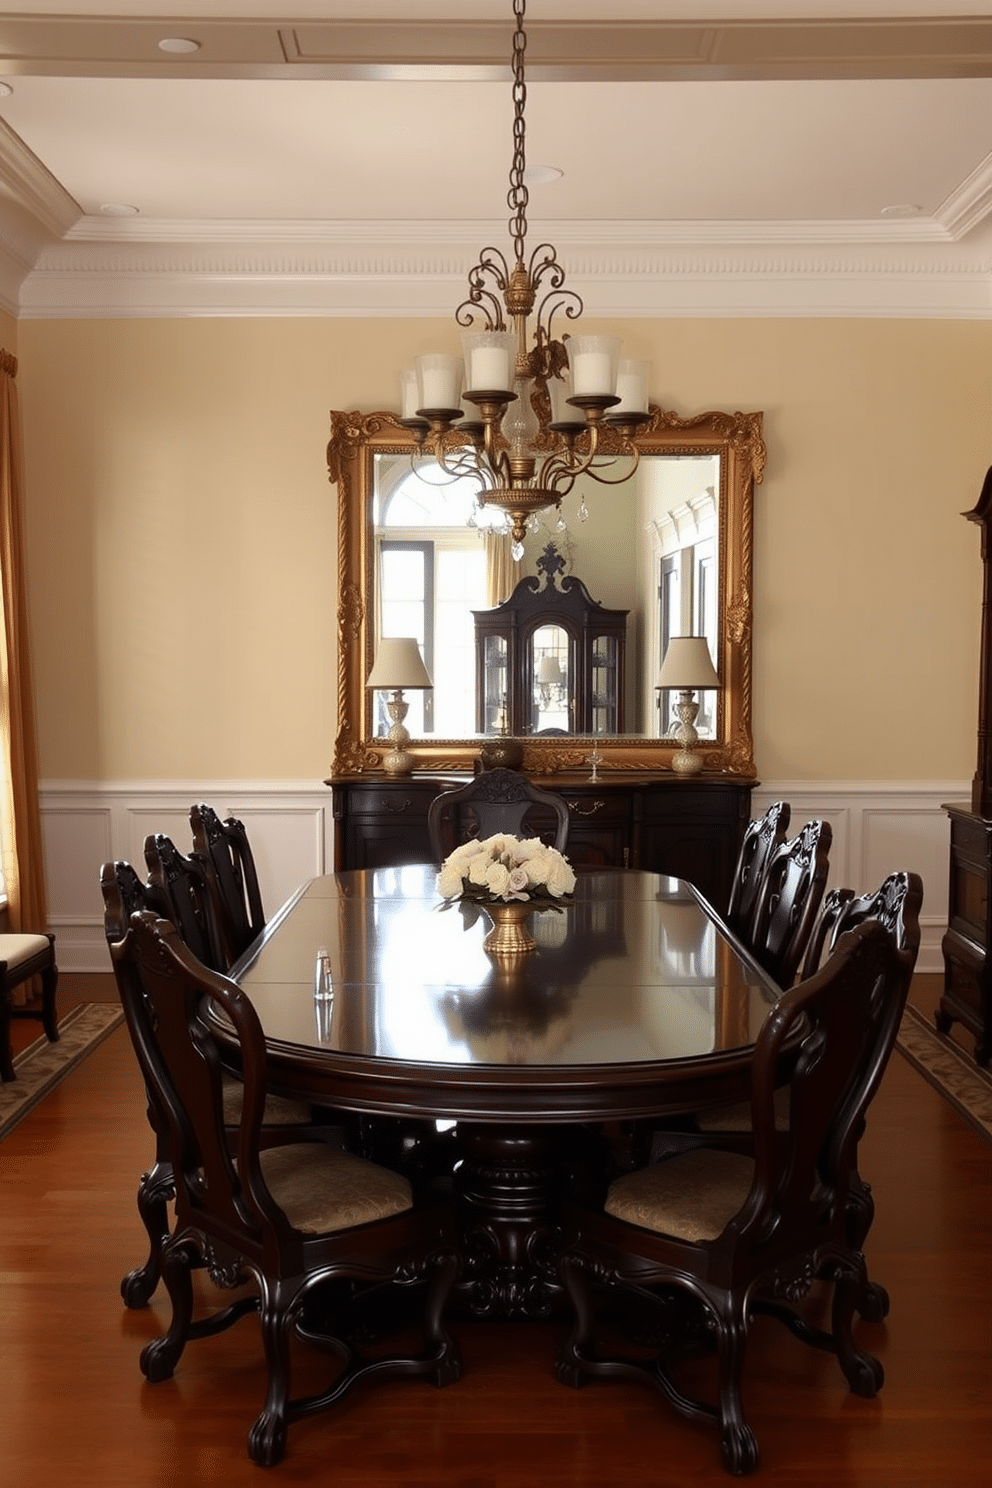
(431, 571)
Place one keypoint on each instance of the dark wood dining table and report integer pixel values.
(636, 1005)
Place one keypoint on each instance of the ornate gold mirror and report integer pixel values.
(675, 553)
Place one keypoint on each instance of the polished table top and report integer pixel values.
(636, 1001)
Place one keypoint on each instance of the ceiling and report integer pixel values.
(341, 158)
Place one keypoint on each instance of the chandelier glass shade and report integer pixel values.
(530, 420)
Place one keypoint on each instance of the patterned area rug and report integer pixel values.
(41, 1066)
(949, 1069)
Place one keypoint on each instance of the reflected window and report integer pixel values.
(688, 591)
(431, 571)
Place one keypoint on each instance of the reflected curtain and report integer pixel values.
(20, 820)
(503, 571)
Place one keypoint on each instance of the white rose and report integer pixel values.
(449, 881)
(538, 865)
(478, 868)
(561, 879)
(465, 852)
(497, 879)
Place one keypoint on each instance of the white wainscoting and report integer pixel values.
(86, 824)
(878, 827)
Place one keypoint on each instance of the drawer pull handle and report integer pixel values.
(577, 809)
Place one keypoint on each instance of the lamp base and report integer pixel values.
(398, 761)
(686, 762)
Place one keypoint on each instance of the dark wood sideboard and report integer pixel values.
(689, 828)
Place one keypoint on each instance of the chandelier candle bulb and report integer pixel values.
(439, 379)
(632, 388)
(409, 393)
(594, 361)
(489, 360)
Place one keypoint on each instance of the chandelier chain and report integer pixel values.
(517, 197)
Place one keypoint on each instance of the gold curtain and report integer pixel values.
(20, 820)
(503, 572)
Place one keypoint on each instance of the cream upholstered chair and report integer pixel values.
(738, 1233)
(297, 1221)
(21, 958)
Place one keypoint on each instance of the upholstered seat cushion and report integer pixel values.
(319, 1188)
(279, 1109)
(16, 949)
(693, 1196)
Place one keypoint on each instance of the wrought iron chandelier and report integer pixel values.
(538, 406)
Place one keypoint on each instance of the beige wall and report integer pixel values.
(181, 534)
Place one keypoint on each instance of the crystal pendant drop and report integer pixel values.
(583, 511)
(517, 551)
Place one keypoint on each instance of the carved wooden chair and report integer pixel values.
(185, 893)
(294, 1220)
(737, 1233)
(284, 1120)
(21, 958)
(495, 801)
(789, 902)
(761, 838)
(224, 847)
(895, 905)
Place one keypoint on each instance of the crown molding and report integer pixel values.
(418, 274)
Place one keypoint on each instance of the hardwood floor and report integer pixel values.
(74, 1407)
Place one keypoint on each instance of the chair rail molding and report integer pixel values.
(878, 828)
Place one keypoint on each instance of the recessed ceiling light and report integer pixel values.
(5, 90)
(178, 45)
(901, 209)
(118, 209)
(536, 175)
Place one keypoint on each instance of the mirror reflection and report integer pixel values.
(668, 554)
(650, 552)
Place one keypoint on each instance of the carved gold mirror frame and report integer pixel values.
(736, 437)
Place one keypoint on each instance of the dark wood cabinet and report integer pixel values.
(967, 943)
(967, 994)
(691, 829)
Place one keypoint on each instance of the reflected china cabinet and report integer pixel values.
(550, 659)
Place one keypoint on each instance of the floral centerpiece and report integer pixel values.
(508, 878)
(502, 869)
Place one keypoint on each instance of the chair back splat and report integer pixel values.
(745, 1234)
(791, 894)
(760, 840)
(185, 894)
(496, 801)
(291, 1219)
(224, 847)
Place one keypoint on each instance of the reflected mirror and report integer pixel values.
(669, 552)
